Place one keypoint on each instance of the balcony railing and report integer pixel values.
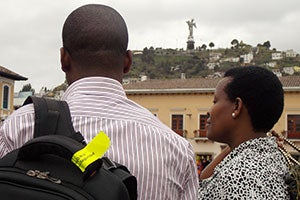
(182, 133)
(200, 135)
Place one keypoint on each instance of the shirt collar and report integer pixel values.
(95, 85)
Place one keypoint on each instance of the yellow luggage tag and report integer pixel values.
(93, 151)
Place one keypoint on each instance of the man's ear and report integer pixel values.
(65, 59)
(127, 62)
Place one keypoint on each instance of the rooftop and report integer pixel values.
(10, 74)
(196, 85)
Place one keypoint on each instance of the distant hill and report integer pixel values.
(171, 63)
(158, 63)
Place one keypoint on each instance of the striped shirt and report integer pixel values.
(162, 161)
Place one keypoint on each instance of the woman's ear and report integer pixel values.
(238, 104)
(127, 62)
(65, 59)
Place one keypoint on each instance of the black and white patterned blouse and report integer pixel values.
(256, 169)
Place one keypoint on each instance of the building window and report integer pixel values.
(293, 122)
(201, 132)
(177, 124)
(5, 100)
(202, 122)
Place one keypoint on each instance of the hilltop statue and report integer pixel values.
(191, 25)
(191, 42)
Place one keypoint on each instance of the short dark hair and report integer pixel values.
(262, 93)
(93, 31)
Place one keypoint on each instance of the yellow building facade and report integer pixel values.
(7, 82)
(182, 105)
(6, 91)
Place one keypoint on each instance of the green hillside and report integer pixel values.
(158, 63)
(170, 63)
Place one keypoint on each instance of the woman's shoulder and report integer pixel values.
(258, 155)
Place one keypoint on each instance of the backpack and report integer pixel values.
(42, 168)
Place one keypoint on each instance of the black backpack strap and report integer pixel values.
(123, 173)
(52, 117)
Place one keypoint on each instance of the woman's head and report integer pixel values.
(261, 93)
(248, 101)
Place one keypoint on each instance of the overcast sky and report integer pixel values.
(30, 35)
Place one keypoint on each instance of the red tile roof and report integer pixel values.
(174, 83)
(290, 81)
(193, 85)
(10, 74)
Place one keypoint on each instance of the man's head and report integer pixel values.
(95, 40)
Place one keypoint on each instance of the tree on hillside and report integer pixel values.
(235, 43)
(203, 47)
(267, 44)
(148, 55)
(242, 44)
(151, 49)
(27, 88)
(211, 45)
(60, 87)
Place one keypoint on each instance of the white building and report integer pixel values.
(247, 58)
(277, 56)
(277, 72)
(290, 53)
(230, 59)
(212, 65)
(289, 70)
(271, 64)
(213, 56)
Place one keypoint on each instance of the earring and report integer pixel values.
(233, 115)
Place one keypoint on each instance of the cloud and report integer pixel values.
(30, 35)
